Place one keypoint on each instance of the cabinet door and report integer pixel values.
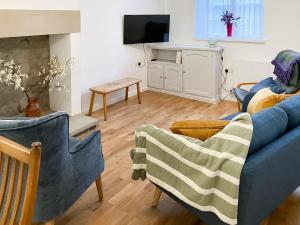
(197, 73)
(173, 78)
(155, 75)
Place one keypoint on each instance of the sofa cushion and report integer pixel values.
(200, 129)
(292, 108)
(265, 98)
(267, 126)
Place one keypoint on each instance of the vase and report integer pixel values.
(33, 108)
(229, 29)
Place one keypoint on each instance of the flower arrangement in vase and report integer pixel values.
(48, 76)
(228, 19)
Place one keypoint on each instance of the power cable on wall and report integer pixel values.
(224, 79)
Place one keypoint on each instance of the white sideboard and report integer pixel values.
(187, 71)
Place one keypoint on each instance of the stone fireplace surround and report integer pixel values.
(37, 36)
(61, 30)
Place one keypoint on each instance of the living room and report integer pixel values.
(149, 112)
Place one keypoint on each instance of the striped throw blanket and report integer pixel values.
(205, 175)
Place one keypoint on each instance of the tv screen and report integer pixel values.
(146, 28)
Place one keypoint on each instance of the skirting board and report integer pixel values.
(198, 98)
(111, 101)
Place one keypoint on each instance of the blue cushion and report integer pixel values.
(268, 83)
(292, 108)
(267, 126)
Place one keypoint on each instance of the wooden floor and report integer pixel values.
(128, 202)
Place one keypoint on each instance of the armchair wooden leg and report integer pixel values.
(50, 222)
(99, 188)
(239, 106)
(156, 197)
(265, 222)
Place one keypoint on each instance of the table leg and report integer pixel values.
(126, 93)
(92, 103)
(104, 106)
(138, 92)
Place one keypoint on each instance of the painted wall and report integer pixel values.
(249, 61)
(104, 57)
(41, 4)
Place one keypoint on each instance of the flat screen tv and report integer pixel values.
(146, 29)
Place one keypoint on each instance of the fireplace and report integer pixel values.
(30, 38)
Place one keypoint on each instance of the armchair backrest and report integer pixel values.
(19, 180)
(52, 131)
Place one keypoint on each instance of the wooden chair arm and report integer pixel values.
(244, 84)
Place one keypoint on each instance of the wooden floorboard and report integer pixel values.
(128, 202)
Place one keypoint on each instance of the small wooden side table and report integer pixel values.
(107, 88)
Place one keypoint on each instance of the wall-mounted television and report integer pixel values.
(146, 29)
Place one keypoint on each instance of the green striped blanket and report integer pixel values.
(205, 175)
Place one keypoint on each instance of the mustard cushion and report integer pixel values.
(200, 129)
(263, 99)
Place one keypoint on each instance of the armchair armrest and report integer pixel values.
(246, 84)
(82, 144)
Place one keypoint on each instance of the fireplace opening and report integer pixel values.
(30, 53)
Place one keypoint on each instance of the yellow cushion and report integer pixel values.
(263, 99)
(200, 129)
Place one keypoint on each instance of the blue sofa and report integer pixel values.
(68, 165)
(272, 169)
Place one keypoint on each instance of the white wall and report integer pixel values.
(104, 57)
(249, 61)
(40, 4)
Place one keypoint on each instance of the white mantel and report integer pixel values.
(63, 28)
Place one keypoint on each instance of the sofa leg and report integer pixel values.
(99, 188)
(50, 222)
(156, 197)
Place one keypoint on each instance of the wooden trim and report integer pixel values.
(245, 84)
(14, 150)
(20, 23)
(32, 184)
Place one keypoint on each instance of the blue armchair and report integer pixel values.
(244, 96)
(68, 165)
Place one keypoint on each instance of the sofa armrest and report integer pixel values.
(269, 177)
(82, 145)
